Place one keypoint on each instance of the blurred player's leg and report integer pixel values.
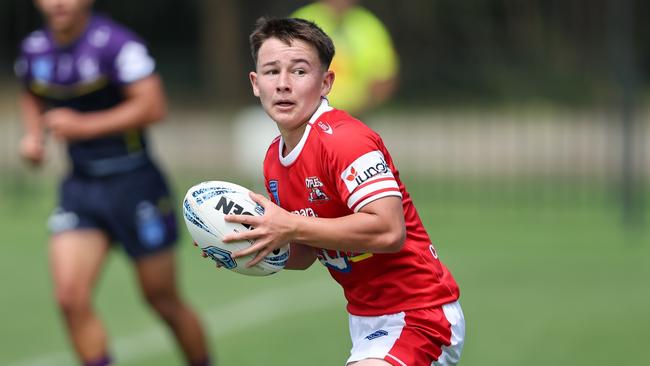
(76, 259)
(157, 275)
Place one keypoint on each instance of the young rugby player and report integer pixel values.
(337, 197)
(91, 83)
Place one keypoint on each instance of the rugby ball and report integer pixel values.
(204, 208)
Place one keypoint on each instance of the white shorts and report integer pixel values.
(424, 337)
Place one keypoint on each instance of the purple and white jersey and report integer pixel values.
(89, 75)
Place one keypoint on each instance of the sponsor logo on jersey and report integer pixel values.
(42, 68)
(314, 187)
(273, 187)
(335, 260)
(366, 168)
(325, 127)
(88, 68)
(307, 211)
(376, 334)
(340, 260)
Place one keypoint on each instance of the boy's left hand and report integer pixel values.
(66, 124)
(271, 231)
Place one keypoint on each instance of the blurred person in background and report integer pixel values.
(336, 196)
(91, 83)
(365, 64)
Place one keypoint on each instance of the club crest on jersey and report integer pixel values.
(368, 167)
(273, 188)
(314, 187)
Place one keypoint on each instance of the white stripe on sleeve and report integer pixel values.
(133, 62)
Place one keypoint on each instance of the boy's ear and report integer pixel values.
(252, 76)
(328, 82)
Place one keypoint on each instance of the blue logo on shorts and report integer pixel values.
(376, 334)
(223, 257)
(151, 228)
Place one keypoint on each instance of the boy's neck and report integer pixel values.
(66, 36)
(292, 138)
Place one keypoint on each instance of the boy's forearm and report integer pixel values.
(145, 104)
(31, 109)
(301, 257)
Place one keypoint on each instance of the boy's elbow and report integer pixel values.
(159, 109)
(156, 113)
(394, 241)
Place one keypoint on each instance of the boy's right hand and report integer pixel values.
(205, 255)
(32, 149)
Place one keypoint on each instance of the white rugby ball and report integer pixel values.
(204, 208)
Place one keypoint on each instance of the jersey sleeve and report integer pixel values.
(127, 57)
(358, 165)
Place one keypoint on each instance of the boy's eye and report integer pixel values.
(299, 72)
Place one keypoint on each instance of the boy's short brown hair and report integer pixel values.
(289, 29)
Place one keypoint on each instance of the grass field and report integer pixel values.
(552, 280)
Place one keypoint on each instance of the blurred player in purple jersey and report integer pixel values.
(91, 83)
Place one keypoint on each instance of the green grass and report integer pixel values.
(544, 280)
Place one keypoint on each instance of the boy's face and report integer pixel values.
(62, 15)
(290, 81)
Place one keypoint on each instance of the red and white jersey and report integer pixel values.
(339, 166)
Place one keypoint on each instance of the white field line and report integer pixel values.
(258, 308)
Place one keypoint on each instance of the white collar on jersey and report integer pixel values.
(293, 155)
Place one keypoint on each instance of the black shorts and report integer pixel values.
(133, 208)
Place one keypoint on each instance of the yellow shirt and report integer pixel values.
(364, 52)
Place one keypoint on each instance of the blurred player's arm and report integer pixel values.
(144, 104)
(300, 257)
(33, 141)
